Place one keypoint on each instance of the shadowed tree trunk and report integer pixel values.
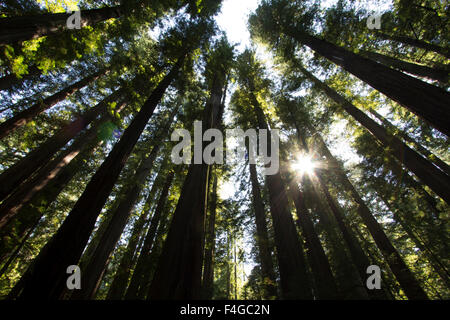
(208, 269)
(292, 265)
(416, 43)
(12, 177)
(425, 100)
(401, 271)
(179, 270)
(22, 28)
(27, 115)
(437, 180)
(48, 275)
(10, 80)
(138, 283)
(413, 68)
(262, 238)
(11, 206)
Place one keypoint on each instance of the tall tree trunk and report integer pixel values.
(208, 269)
(12, 205)
(292, 265)
(425, 100)
(425, 152)
(262, 239)
(48, 275)
(325, 283)
(22, 28)
(413, 68)
(138, 283)
(120, 282)
(27, 115)
(401, 271)
(416, 43)
(179, 271)
(437, 180)
(12, 177)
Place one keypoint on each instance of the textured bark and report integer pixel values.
(324, 281)
(179, 270)
(49, 274)
(27, 115)
(413, 68)
(262, 238)
(425, 100)
(416, 43)
(292, 265)
(430, 175)
(138, 281)
(12, 177)
(22, 28)
(208, 268)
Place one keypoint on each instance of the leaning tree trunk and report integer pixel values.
(10, 80)
(413, 68)
(12, 205)
(27, 115)
(262, 238)
(437, 180)
(425, 152)
(48, 275)
(401, 271)
(179, 270)
(425, 100)
(12, 177)
(22, 28)
(138, 283)
(292, 265)
(416, 43)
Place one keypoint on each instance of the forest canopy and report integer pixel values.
(350, 203)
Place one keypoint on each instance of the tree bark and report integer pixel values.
(12, 177)
(22, 28)
(27, 115)
(208, 269)
(413, 68)
(416, 43)
(433, 177)
(425, 100)
(48, 277)
(262, 239)
(138, 281)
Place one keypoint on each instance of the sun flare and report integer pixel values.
(304, 164)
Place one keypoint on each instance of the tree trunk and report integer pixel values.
(416, 43)
(11, 206)
(294, 280)
(425, 100)
(413, 68)
(48, 277)
(437, 180)
(22, 28)
(179, 271)
(27, 115)
(401, 271)
(138, 283)
(12, 177)
(429, 155)
(262, 239)
(325, 283)
(7, 82)
(208, 269)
